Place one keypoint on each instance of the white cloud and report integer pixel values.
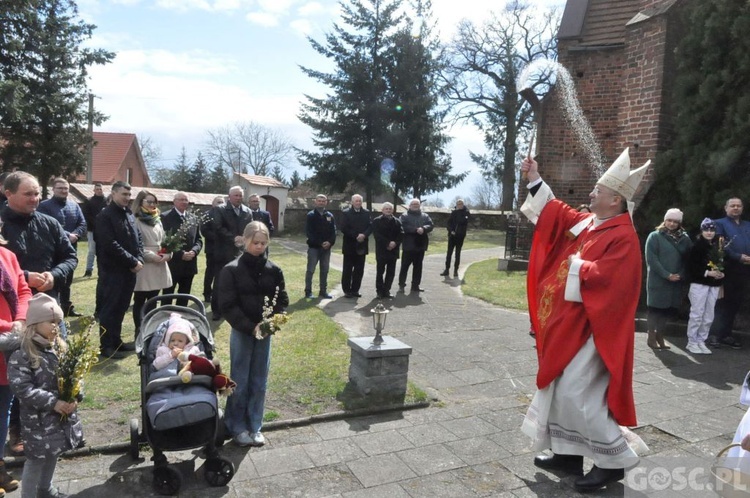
(310, 8)
(263, 19)
(276, 6)
(195, 63)
(302, 26)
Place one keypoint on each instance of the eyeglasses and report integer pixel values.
(149, 202)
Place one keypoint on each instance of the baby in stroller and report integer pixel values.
(180, 337)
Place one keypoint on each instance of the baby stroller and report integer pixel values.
(176, 415)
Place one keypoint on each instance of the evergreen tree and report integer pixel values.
(198, 176)
(350, 125)
(277, 173)
(709, 158)
(417, 140)
(218, 182)
(43, 94)
(294, 180)
(181, 172)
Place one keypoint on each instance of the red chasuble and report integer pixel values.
(610, 281)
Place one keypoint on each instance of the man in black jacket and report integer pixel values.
(183, 265)
(258, 214)
(388, 234)
(458, 223)
(207, 230)
(229, 224)
(417, 225)
(39, 241)
(320, 228)
(355, 228)
(91, 208)
(119, 251)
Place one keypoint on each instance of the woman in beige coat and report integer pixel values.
(155, 275)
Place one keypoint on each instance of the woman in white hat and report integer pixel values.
(667, 248)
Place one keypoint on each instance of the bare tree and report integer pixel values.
(249, 148)
(481, 78)
(151, 154)
(485, 194)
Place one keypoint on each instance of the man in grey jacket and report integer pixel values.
(417, 225)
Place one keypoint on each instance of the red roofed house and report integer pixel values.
(273, 195)
(117, 156)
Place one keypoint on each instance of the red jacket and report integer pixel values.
(610, 282)
(10, 263)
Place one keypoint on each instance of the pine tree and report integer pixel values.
(198, 176)
(350, 125)
(181, 172)
(277, 173)
(43, 93)
(294, 180)
(417, 140)
(218, 182)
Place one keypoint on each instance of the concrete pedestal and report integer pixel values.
(379, 370)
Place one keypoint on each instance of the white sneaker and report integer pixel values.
(704, 348)
(243, 439)
(694, 348)
(257, 439)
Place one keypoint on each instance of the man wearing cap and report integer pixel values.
(583, 286)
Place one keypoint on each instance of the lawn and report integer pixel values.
(309, 366)
(506, 289)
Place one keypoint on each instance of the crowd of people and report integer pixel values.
(583, 322)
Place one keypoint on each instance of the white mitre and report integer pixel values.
(620, 179)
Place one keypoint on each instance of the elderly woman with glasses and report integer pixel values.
(667, 248)
(155, 275)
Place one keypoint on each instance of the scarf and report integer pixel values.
(148, 216)
(8, 290)
(676, 235)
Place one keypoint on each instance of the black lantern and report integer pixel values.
(379, 315)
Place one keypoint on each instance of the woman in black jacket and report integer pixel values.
(458, 223)
(243, 288)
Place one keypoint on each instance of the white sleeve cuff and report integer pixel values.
(533, 184)
(573, 283)
(534, 204)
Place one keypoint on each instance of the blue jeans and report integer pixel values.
(249, 359)
(92, 252)
(315, 255)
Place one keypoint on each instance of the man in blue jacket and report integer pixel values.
(70, 216)
(320, 228)
(736, 234)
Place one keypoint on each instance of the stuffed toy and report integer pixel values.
(200, 365)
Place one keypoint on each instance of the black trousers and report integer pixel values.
(735, 288)
(182, 285)
(409, 258)
(384, 274)
(351, 275)
(456, 243)
(218, 266)
(65, 303)
(139, 299)
(113, 293)
(208, 278)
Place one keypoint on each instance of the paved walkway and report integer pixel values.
(479, 361)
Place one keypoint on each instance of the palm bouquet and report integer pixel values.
(76, 357)
(175, 239)
(271, 322)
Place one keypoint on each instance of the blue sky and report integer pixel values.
(186, 66)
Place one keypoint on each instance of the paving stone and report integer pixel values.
(431, 459)
(282, 460)
(427, 434)
(478, 450)
(385, 491)
(333, 451)
(381, 442)
(469, 427)
(380, 469)
(437, 486)
(489, 478)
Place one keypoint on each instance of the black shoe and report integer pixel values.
(385, 295)
(111, 353)
(350, 294)
(571, 464)
(127, 346)
(216, 316)
(401, 288)
(597, 479)
(445, 273)
(417, 289)
(712, 342)
(88, 273)
(731, 342)
(72, 312)
(455, 274)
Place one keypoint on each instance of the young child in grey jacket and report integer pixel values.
(179, 337)
(49, 425)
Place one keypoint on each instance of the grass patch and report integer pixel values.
(309, 364)
(501, 288)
